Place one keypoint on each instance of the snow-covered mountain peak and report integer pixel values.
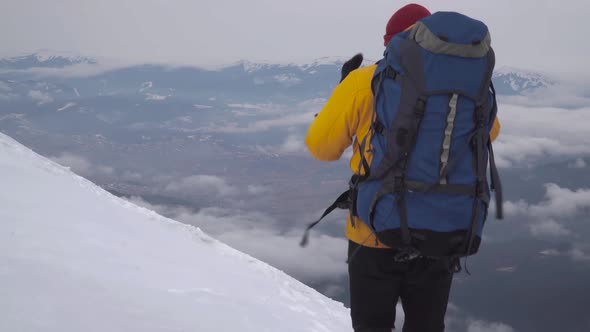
(76, 258)
(257, 66)
(519, 81)
(44, 59)
(251, 67)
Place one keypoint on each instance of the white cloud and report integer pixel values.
(264, 125)
(66, 106)
(566, 93)
(548, 217)
(536, 134)
(5, 87)
(579, 163)
(562, 202)
(77, 70)
(580, 253)
(258, 189)
(548, 228)
(558, 203)
(131, 176)
(481, 326)
(248, 109)
(293, 144)
(518, 150)
(202, 107)
(155, 97)
(257, 107)
(457, 320)
(81, 165)
(550, 252)
(7, 96)
(40, 97)
(202, 184)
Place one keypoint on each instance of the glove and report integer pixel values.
(351, 65)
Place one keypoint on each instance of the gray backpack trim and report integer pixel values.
(429, 41)
(446, 145)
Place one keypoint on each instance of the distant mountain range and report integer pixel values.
(43, 60)
(243, 80)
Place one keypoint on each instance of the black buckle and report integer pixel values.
(353, 180)
(420, 107)
(406, 254)
(480, 117)
(391, 73)
(479, 189)
(378, 127)
(398, 184)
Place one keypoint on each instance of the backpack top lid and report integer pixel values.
(453, 34)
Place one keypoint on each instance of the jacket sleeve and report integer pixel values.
(495, 132)
(334, 128)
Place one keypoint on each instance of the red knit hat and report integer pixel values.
(403, 19)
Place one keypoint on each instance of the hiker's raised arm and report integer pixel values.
(333, 129)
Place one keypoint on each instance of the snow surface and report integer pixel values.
(75, 258)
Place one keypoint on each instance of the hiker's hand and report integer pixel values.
(351, 65)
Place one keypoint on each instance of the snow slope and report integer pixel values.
(75, 258)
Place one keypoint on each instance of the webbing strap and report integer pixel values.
(384, 191)
(478, 154)
(363, 162)
(496, 184)
(452, 189)
(403, 218)
(340, 202)
(473, 228)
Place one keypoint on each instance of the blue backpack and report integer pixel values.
(425, 191)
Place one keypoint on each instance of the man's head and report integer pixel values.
(403, 19)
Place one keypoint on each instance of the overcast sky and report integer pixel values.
(545, 35)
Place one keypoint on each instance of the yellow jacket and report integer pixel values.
(346, 117)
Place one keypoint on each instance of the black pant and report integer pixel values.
(377, 282)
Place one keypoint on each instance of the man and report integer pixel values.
(377, 281)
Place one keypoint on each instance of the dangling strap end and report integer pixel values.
(305, 239)
(499, 209)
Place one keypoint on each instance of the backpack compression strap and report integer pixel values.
(402, 135)
(484, 111)
(496, 184)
